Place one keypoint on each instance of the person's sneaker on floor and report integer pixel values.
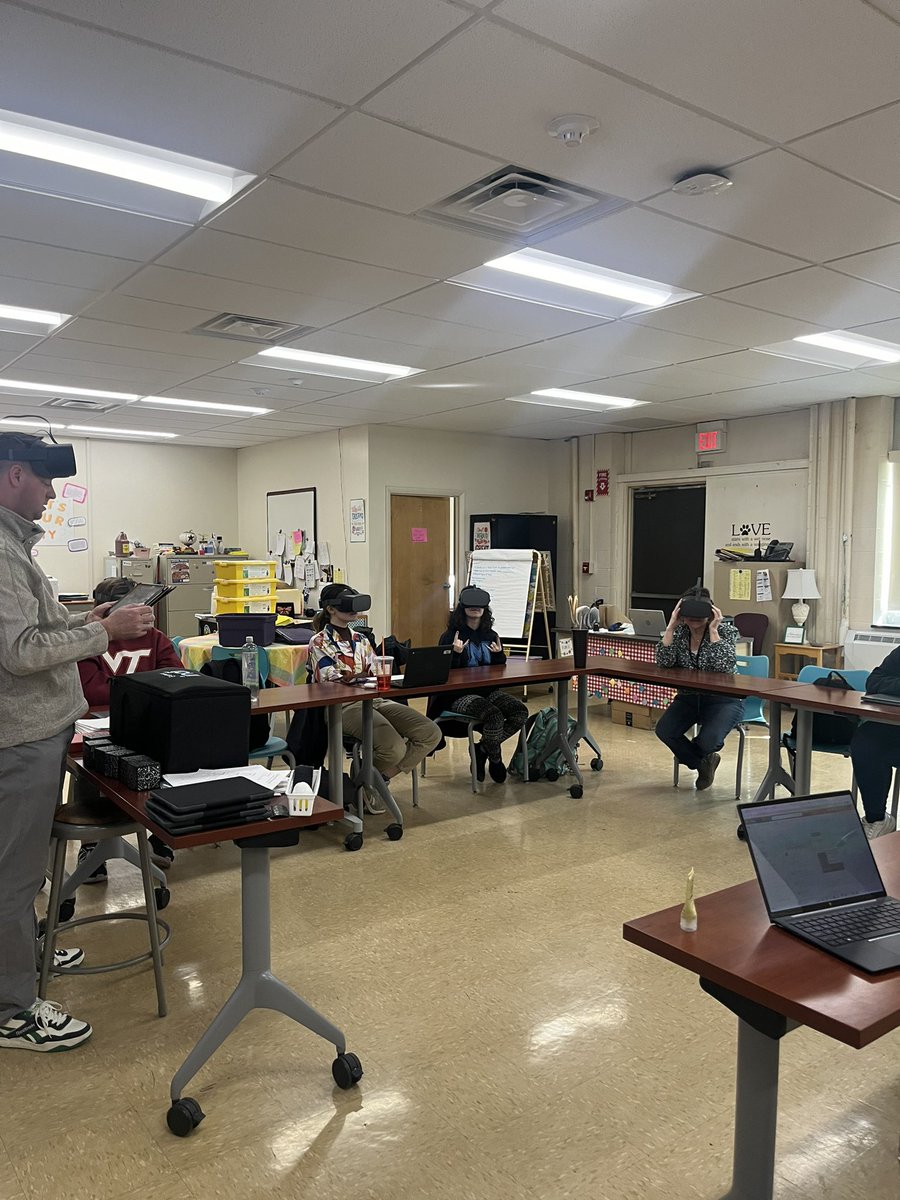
(372, 804)
(73, 957)
(98, 876)
(161, 855)
(44, 1026)
(497, 771)
(877, 829)
(706, 772)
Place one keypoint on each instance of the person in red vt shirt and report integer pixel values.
(148, 653)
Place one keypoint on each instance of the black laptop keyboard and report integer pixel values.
(852, 925)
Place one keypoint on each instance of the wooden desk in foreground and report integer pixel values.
(773, 982)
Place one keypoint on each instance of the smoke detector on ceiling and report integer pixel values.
(572, 128)
(702, 183)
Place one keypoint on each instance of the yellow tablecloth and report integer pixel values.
(287, 664)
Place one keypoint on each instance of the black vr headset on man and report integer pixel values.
(344, 598)
(48, 460)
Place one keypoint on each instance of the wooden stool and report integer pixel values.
(82, 822)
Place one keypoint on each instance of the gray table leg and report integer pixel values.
(371, 779)
(581, 733)
(257, 987)
(335, 720)
(804, 751)
(755, 1115)
(775, 775)
(561, 741)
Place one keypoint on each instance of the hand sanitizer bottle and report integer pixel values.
(250, 668)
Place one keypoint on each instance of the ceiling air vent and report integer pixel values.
(240, 328)
(519, 203)
(81, 404)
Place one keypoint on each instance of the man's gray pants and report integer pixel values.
(31, 778)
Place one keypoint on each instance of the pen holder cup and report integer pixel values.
(579, 647)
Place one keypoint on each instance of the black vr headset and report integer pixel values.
(474, 597)
(695, 607)
(344, 598)
(47, 459)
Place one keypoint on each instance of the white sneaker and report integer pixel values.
(73, 957)
(43, 1026)
(877, 829)
(373, 805)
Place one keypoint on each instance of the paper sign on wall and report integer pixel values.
(297, 539)
(357, 520)
(419, 535)
(739, 584)
(763, 586)
(74, 491)
(77, 544)
(481, 535)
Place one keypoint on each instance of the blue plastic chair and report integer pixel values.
(275, 747)
(857, 681)
(756, 665)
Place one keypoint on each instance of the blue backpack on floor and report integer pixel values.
(541, 733)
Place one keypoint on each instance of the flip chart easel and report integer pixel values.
(516, 580)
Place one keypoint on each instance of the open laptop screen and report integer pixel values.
(810, 852)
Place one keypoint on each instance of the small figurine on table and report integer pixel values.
(688, 920)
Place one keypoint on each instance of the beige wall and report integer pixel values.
(871, 446)
(151, 492)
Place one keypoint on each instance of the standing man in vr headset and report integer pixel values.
(699, 638)
(40, 697)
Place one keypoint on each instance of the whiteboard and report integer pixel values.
(506, 574)
(289, 511)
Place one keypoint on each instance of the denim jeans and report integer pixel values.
(715, 715)
(875, 751)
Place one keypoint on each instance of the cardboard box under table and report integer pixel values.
(635, 716)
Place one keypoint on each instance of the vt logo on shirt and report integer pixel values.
(130, 658)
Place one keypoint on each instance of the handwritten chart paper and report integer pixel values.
(506, 574)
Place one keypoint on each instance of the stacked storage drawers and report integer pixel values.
(247, 586)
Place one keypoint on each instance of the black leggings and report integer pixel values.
(499, 715)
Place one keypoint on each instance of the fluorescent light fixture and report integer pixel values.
(591, 398)
(569, 272)
(128, 433)
(28, 423)
(337, 361)
(89, 151)
(56, 389)
(856, 344)
(32, 316)
(206, 405)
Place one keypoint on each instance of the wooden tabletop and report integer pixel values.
(838, 700)
(736, 946)
(135, 805)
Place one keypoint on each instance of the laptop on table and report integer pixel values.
(819, 879)
(426, 666)
(648, 622)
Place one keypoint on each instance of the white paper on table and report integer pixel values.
(278, 781)
(92, 725)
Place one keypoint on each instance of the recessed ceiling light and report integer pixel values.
(211, 405)
(127, 433)
(855, 344)
(337, 362)
(571, 273)
(89, 151)
(591, 399)
(29, 423)
(31, 316)
(56, 389)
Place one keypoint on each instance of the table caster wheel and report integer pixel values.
(353, 841)
(596, 764)
(67, 910)
(163, 896)
(741, 833)
(394, 832)
(346, 1070)
(576, 791)
(551, 774)
(184, 1116)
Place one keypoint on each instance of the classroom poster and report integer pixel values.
(481, 535)
(357, 520)
(739, 584)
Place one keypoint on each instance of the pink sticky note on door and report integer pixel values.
(420, 535)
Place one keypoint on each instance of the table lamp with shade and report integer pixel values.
(800, 587)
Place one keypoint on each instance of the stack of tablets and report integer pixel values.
(217, 804)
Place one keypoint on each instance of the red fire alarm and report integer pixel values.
(588, 495)
(603, 483)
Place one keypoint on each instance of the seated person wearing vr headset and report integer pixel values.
(699, 638)
(476, 644)
(338, 654)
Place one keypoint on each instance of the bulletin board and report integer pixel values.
(289, 512)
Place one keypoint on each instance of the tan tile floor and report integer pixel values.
(515, 1047)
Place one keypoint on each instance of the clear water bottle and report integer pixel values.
(250, 668)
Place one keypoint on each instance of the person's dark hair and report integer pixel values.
(697, 593)
(112, 588)
(457, 622)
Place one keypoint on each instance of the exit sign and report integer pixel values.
(711, 438)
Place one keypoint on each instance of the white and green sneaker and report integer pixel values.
(43, 1026)
(73, 957)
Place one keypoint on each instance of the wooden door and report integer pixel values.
(420, 567)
